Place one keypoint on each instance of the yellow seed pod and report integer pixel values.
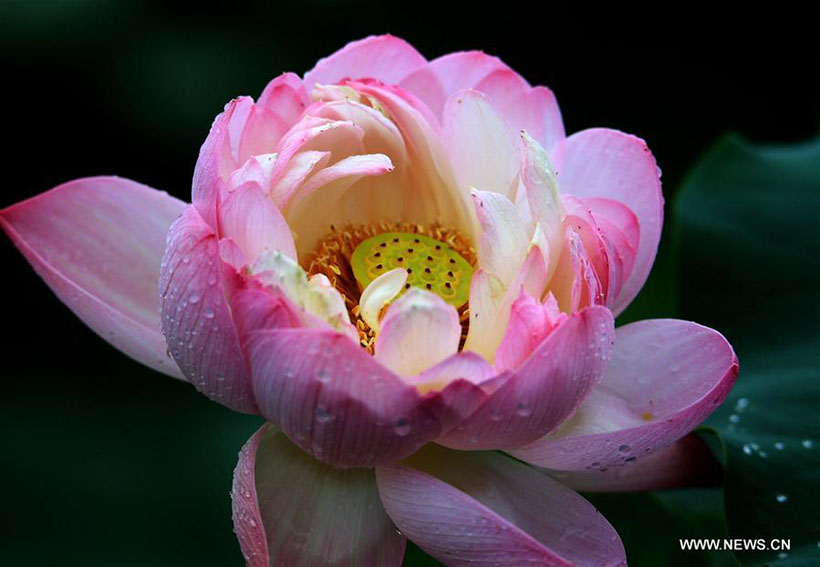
(431, 264)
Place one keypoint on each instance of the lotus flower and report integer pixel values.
(404, 266)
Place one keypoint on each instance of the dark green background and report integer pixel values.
(107, 463)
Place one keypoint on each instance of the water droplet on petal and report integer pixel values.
(322, 415)
(208, 313)
(402, 427)
(523, 410)
(624, 449)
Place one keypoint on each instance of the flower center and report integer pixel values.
(437, 259)
(431, 264)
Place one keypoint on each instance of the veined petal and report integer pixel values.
(611, 164)
(418, 331)
(479, 143)
(335, 401)
(291, 510)
(98, 242)
(254, 223)
(687, 462)
(533, 109)
(545, 390)
(504, 240)
(217, 158)
(196, 320)
(432, 176)
(483, 509)
(665, 377)
(440, 78)
(384, 57)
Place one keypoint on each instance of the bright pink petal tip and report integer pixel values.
(385, 58)
(98, 243)
(665, 377)
(607, 163)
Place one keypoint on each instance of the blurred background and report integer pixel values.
(106, 462)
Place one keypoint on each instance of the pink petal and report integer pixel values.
(262, 131)
(482, 509)
(286, 97)
(665, 377)
(545, 390)
(217, 159)
(419, 330)
(352, 167)
(435, 82)
(491, 301)
(611, 164)
(335, 401)
(687, 462)
(97, 243)
(254, 223)
(480, 144)
(504, 241)
(435, 197)
(291, 510)
(530, 323)
(291, 177)
(196, 320)
(384, 57)
(524, 108)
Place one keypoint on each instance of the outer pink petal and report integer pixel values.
(384, 57)
(291, 510)
(97, 243)
(687, 462)
(483, 509)
(435, 82)
(545, 390)
(336, 401)
(218, 158)
(665, 377)
(254, 223)
(533, 109)
(195, 316)
(614, 165)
